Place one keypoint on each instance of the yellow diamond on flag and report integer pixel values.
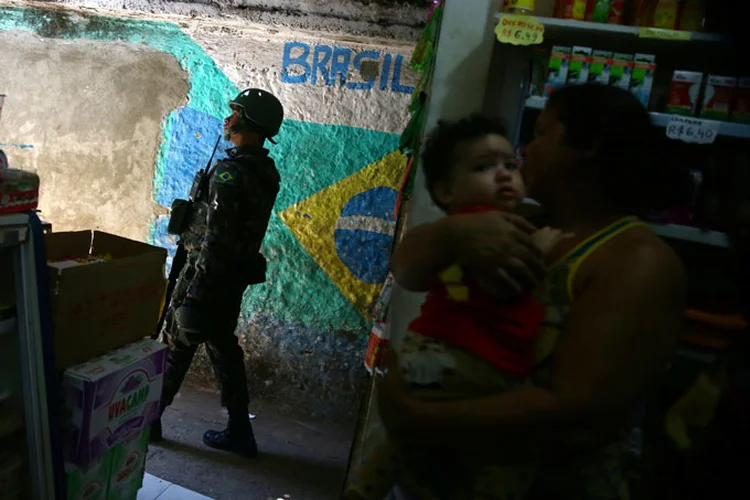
(348, 228)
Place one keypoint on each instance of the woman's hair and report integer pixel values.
(633, 165)
(439, 155)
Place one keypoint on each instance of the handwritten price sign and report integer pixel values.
(693, 130)
(519, 30)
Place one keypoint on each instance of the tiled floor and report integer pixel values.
(154, 488)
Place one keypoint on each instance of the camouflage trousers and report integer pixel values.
(222, 346)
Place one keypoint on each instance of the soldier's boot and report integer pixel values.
(237, 438)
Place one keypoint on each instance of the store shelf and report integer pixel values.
(554, 27)
(726, 129)
(692, 234)
(13, 229)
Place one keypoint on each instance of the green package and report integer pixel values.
(128, 464)
(89, 483)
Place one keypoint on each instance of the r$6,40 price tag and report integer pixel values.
(692, 130)
(519, 30)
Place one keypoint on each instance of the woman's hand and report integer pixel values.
(495, 247)
(498, 251)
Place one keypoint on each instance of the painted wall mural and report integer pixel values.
(332, 229)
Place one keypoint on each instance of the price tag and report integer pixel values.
(693, 130)
(519, 30)
(662, 34)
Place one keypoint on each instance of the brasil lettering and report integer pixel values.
(128, 403)
(304, 63)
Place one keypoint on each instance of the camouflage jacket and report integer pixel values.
(227, 224)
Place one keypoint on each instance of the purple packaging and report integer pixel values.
(110, 399)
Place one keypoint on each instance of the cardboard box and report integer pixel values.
(642, 78)
(111, 399)
(101, 306)
(741, 106)
(118, 475)
(90, 482)
(718, 97)
(128, 464)
(580, 62)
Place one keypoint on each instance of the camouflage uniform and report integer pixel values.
(222, 239)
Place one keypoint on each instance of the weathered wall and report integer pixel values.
(346, 97)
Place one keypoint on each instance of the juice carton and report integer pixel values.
(557, 70)
(600, 67)
(621, 70)
(684, 93)
(741, 106)
(89, 482)
(718, 96)
(128, 467)
(110, 399)
(580, 62)
(642, 79)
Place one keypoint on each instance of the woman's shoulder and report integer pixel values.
(637, 255)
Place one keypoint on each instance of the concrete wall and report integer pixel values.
(138, 103)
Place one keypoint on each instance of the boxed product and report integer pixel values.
(118, 475)
(557, 72)
(89, 482)
(580, 62)
(642, 77)
(107, 291)
(128, 465)
(718, 97)
(684, 93)
(666, 14)
(600, 67)
(621, 70)
(741, 106)
(19, 190)
(111, 399)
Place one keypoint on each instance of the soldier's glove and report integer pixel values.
(193, 321)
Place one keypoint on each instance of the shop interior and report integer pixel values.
(80, 372)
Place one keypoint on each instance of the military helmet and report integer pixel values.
(261, 109)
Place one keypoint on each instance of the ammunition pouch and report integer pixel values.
(179, 217)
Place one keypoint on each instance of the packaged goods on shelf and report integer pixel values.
(600, 67)
(621, 70)
(684, 93)
(545, 8)
(692, 15)
(617, 12)
(718, 97)
(580, 61)
(557, 73)
(642, 78)
(111, 399)
(741, 106)
(598, 10)
(666, 14)
(519, 6)
(19, 190)
(573, 9)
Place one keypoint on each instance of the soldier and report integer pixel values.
(222, 235)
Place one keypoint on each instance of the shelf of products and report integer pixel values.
(726, 129)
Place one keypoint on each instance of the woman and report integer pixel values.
(614, 299)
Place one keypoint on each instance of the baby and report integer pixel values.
(464, 343)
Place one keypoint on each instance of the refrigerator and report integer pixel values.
(30, 409)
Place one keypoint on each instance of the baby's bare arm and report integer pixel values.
(547, 239)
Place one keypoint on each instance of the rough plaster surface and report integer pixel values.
(90, 117)
(400, 20)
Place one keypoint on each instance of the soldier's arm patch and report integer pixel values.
(225, 175)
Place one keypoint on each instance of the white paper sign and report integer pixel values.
(694, 130)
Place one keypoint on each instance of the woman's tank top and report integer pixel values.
(597, 476)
